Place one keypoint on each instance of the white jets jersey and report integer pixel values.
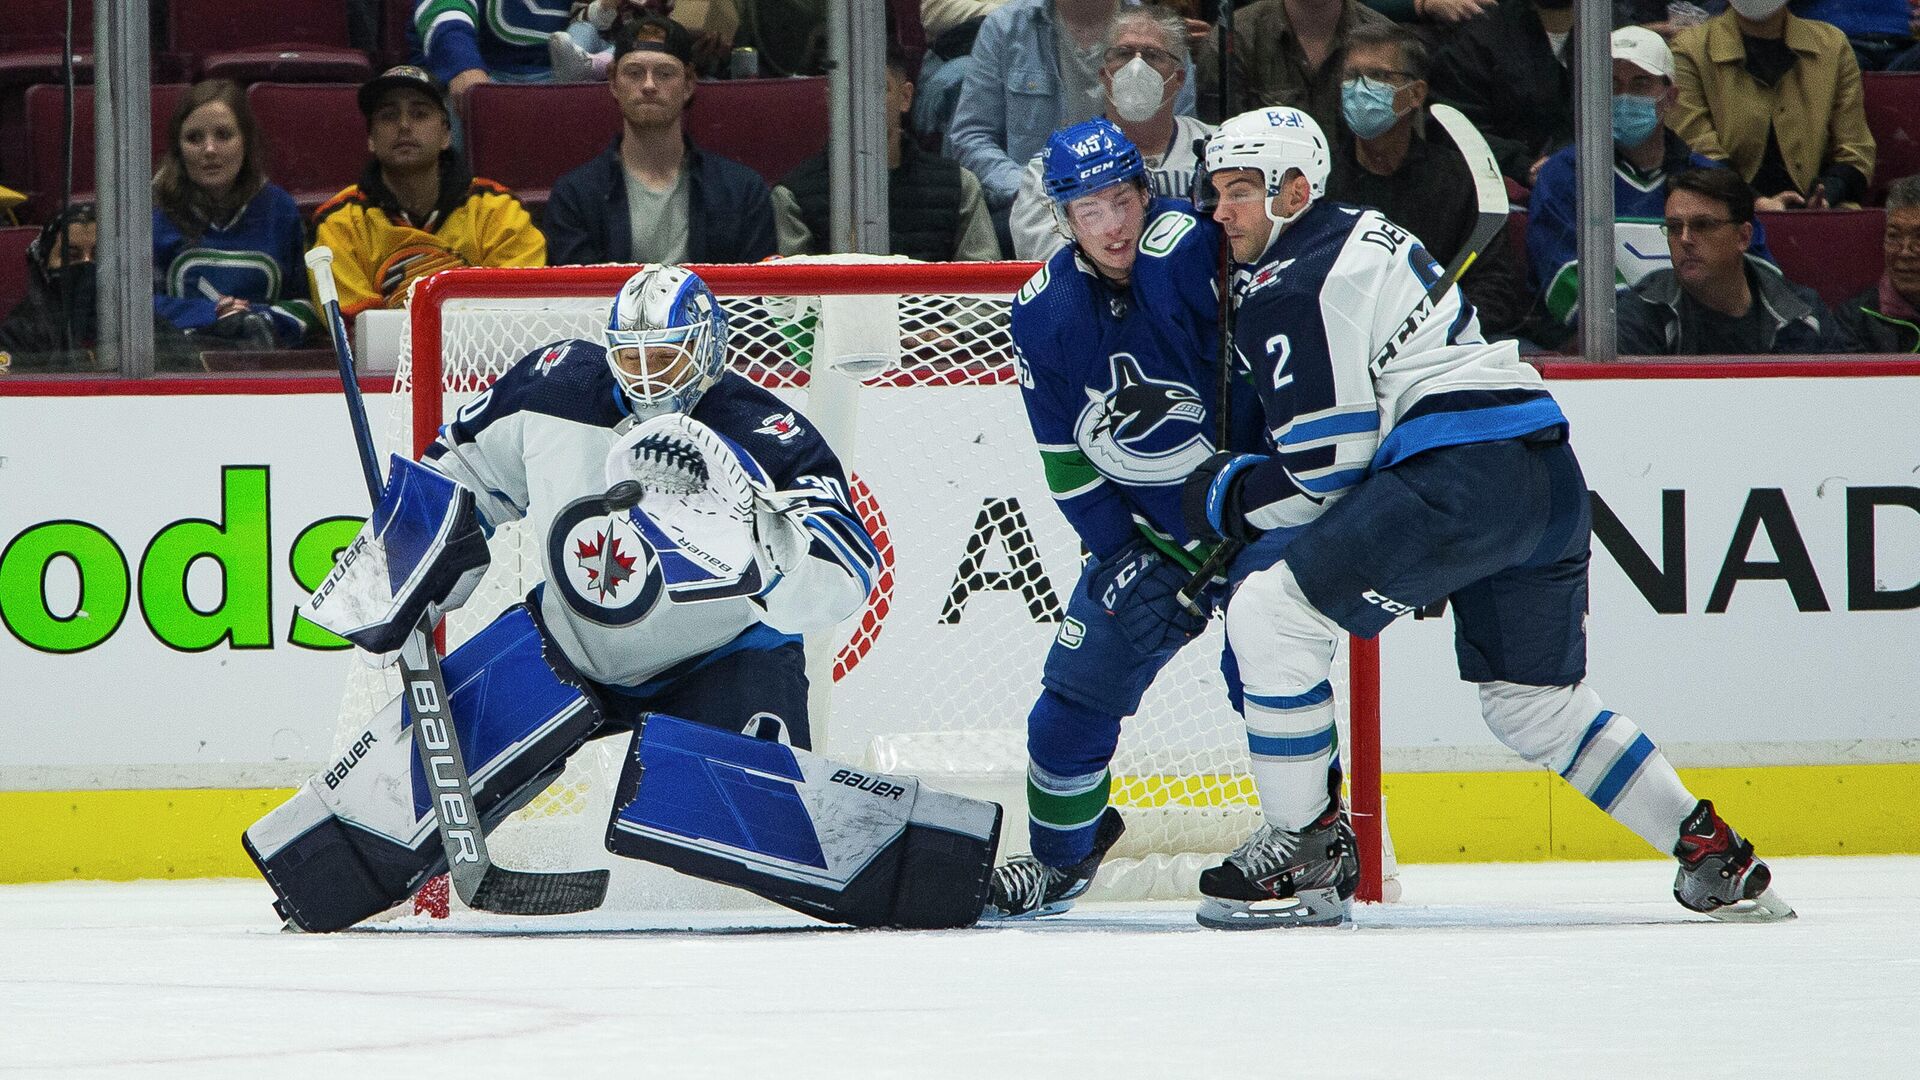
(534, 449)
(1356, 371)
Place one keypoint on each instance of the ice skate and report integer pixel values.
(1026, 888)
(1719, 875)
(1283, 878)
(570, 62)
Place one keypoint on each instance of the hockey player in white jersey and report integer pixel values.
(690, 527)
(1414, 461)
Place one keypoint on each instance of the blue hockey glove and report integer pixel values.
(1211, 500)
(1137, 586)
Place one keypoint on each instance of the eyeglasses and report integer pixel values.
(1384, 76)
(1120, 55)
(1699, 226)
(1904, 240)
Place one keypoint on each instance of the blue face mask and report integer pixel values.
(1367, 106)
(1634, 119)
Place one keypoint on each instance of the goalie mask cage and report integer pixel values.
(908, 370)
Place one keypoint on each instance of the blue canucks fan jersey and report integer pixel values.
(1120, 384)
(534, 447)
(1357, 371)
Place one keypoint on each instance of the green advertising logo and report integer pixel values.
(238, 543)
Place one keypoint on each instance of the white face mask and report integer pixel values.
(1138, 91)
(1758, 10)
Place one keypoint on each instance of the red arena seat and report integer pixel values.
(1836, 253)
(513, 138)
(768, 125)
(1893, 115)
(284, 40)
(315, 139)
(13, 265)
(46, 137)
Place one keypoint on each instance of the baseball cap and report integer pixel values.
(1643, 49)
(656, 34)
(400, 75)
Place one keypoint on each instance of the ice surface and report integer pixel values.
(1539, 970)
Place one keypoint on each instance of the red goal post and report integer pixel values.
(467, 325)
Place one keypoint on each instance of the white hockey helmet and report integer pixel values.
(1275, 141)
(666, 340)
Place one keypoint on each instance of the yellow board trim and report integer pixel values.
(1434, 817)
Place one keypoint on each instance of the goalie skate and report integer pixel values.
(1719, 875)
(1282, 878)
(1026, 888)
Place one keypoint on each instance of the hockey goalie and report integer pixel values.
(686, 544)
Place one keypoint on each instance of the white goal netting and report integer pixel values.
(907, 370)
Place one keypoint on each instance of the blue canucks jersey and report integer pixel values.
(1120, 383)
(1357, 371)
(534, 449)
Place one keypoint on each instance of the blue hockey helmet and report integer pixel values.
(1089, 157)
(666, 340)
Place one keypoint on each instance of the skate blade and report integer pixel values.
(1767, 907)
(1314, 907)
(995, 915)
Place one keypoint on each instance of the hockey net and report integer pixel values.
(907, 369)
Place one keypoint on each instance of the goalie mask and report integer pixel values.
(666, 340)
(1275, 142)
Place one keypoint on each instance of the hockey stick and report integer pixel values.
(1490, 192)
(480, 883)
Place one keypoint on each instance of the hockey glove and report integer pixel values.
(1211, 501)
(1137, 586)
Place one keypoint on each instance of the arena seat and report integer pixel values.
(768, 125)
(1893, 115)
(46, 137)
(13, 265)
(1517, 236)
(1836, 253)
(512, 137)
(42, 24)
(257, 40)
(314, 137)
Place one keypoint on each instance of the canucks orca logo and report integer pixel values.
(1143, 430)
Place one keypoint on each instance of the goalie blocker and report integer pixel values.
(806, 832)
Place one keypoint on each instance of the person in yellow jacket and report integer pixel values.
(1777, 98)
(416, 210)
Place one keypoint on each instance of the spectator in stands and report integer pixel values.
(1145, 67)
(227, 244)
(53, 328)
(1876, 29)
(935, 211)
(1289, 52)
(1717, 298)
(1036, 68)
(1909, 60)
(1886, 317)
(652, 196)
(1382, 158)
(584, 50)
(1777, 98)
(1508, 72)
(939, 16)
(951, 27)
(468, 42)
(1645, 153)
(416, 209)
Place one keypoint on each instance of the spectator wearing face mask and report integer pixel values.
(1507, 70)
(1387, 161)
(1143, 73)
(1645, 153)
(1777, 97)
(54, 328)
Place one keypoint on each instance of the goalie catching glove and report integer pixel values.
(420, 554)
(708, 509)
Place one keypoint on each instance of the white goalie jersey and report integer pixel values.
(534, 447)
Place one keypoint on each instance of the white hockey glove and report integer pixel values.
(710, 504)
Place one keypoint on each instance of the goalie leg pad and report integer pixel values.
(811, 834)
(355, 839)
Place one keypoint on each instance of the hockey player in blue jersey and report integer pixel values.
(1414, 461)
(1114, 338)
(690, 527)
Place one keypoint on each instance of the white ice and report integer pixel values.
(1541, 970)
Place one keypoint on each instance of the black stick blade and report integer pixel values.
(522, 892)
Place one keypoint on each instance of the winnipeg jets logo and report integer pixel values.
(782, 426)
(1143, 430)
(606, 565)
(550, 359)
(601, 565)
(1266, 276)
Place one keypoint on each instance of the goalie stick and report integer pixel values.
(480, 883)
(1490, 191)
